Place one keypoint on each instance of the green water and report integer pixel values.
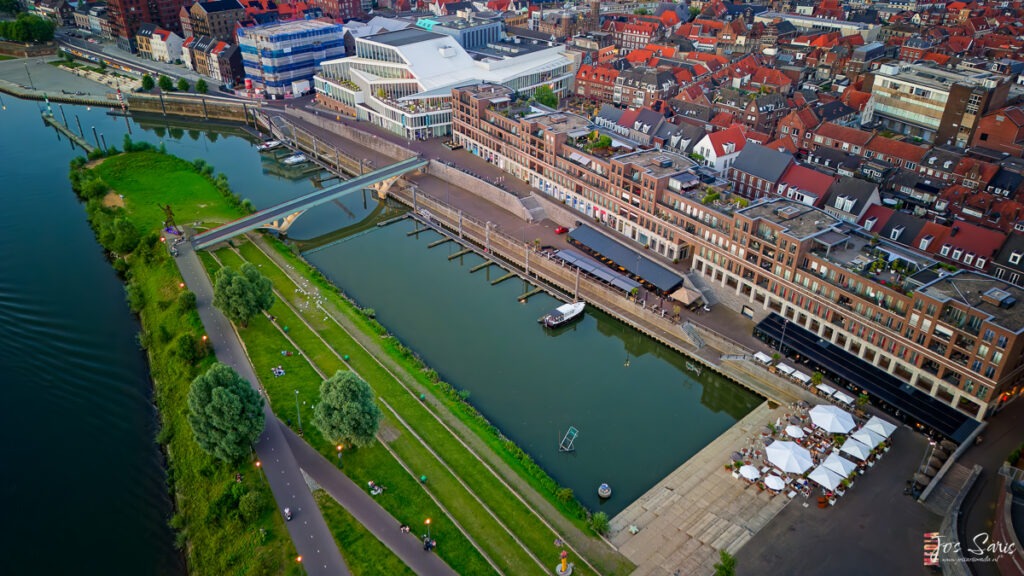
(639, 412)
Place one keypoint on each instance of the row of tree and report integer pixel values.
(226, 413)
(27, 28)
(168, 85)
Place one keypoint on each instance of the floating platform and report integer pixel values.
(481, 266)
(436, 243)
(604, 491)
(462, 252)
(503, 278)
(526, 295)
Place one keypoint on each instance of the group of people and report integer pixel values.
(278, 371)
(376, 489)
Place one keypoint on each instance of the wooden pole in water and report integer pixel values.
(460, 223)
(526, 250)
(576, 291)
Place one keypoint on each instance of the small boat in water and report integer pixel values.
(562, 315)
(268, 145)
(294, 159)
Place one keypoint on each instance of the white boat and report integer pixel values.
(562, 315)
(268, 145)
(294, 159)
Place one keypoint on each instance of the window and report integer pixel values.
(990, 372)
(979, 263)
(969, 258)
(989, 335)
(1015, 257)
(976, 366)
(1001, 342)
(957, 254)
(945, 250)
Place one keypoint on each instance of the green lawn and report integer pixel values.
(405, 497)
(374, 558)
(149, 180)
(5, 57)
(519, 519)
(214, 537)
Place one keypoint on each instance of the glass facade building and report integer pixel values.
(277, 55)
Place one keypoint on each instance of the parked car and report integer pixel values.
(452, 145)
(561, 230)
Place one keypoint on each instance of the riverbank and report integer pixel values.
(216, 535)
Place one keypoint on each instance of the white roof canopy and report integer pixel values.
(828, 390)
(832, 419)
(867, 437)
(828, 479)
(855, 449)
(881, 427)
(839, 465)
(785, 368)
(789, 456)
(762, 357)
(794, 431)
(844, 398)
(801, 376)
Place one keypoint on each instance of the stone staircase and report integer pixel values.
(534, 211)
(697, 281)
(691, 332)
(949, 487)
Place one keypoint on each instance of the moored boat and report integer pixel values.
(294, 159)
(562, 315)
(268, 145)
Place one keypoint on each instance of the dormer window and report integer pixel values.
(945, 250)
(957, 253)
(947, 164)
(979, 263)
(869, 223)
(1015, 257)
(969, 258)
(926, 241)
(895, 233)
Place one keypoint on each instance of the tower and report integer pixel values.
(594, 23)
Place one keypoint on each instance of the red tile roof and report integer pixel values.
(784, 145)
(898, 149)
(723, 120)
(880, 213)
(807, 180)
(722, 137)
(843, 134)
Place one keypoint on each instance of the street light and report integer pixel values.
(339, 454)
(298, 412)
(427, 522)
(785, 324)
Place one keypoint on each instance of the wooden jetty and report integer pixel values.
(481, 266)
(503, 278)
(526, 295)
(436, 243)
(462, 252)
(78, 140)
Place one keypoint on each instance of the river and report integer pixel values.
(639, 411)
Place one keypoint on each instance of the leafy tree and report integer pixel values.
(183, 85)
(10, 6)
(346, 411)
(124, 236)
(817, 377)
(641, 11)
(225, 413)
(251, 505)
(165, 83)
(726, 565)
(67, 56)
(599, 522)
(694, 12)
(201, 86)
(242, 295)
(27, 28)
(147, 82)
(546, 96)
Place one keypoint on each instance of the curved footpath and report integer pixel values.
(285, 456)
(309, 532)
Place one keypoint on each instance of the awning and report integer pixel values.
(686, 296)
(600, 272)
(801, 377)
(763, 358)
(579, 158)
(880, 426)
(844, 398)
(627, 259)
(826, 389)
(785, 369)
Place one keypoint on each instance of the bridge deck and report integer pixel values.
(302, 203)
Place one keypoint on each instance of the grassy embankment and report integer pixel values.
(216, 536)
(447, 455)
(458, 414)
(6, 57)
(405, 498)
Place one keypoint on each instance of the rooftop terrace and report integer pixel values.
(658, 163)
(981, 292)
(798, 220)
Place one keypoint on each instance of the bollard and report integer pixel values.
(423, 479)
(423, 396)
(345, 357)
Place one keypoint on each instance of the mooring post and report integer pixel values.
(487, 236)
(80, 131)
(460, 223)
(162, 107)
(104, 140)
(206, 115)
(95, 137)
(61, 106)
(576, 291)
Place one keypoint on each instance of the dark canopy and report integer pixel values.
(632, 262)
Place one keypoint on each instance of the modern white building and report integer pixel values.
(402, 80)
(809, 23)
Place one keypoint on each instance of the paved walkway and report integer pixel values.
(362, 506)
(313, 540)
(698, 509)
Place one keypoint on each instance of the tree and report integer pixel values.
(10, 6)
(124, 236)
(544, 95)
(346, 412)
(817, 377)
(201, 86)
(241, 296)
(641, 11)
(694, 12)
(165, 83)
(225, 413)
(147, 82)
(726, 565)
(182, 85)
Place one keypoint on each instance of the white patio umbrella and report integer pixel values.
(773, 482)
(839, 465)
(749, 472)
(831, 419)
(882, 427)
(789, 456)
(867, 437)
(855, 449)
(828, 479)
(794, 431)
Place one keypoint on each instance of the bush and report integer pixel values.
(251, 505)
(147, 82)
(564, 495)
(187, 301)
(599, 523)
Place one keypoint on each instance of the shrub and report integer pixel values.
(599, 523)
(251, 505)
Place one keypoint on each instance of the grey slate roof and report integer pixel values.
(762, 162)
(1015, 243)
(853, 188)
(220, 6)
(911, 228)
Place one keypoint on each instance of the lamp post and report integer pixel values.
(298, 412)
(927, 454)
(340, 447)
(427, 522)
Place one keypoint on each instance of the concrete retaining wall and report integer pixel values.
(481, 188)
(191, 106)
(365, 139)
(27, 50)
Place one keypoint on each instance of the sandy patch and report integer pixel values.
(113, 200)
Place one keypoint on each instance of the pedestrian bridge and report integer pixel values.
(281, 216)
